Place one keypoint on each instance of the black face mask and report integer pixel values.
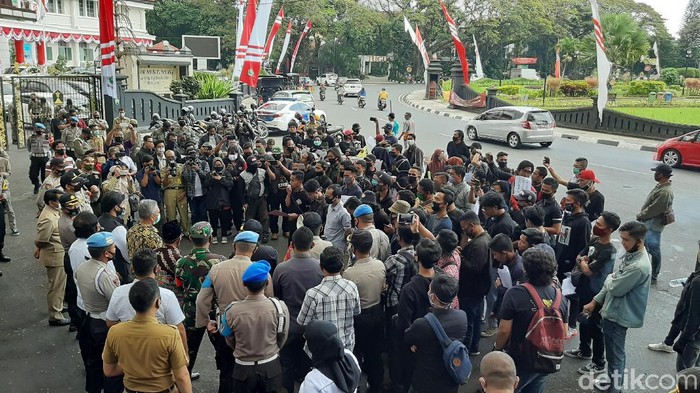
(502, 164)
(118, 139)
(569, 208)
(252, 168)
(329, 200)
(320, 174)
(412, 179)
(218, 169)
(455, 139)
(246, 154)
(436, 207)
(60, 152)
(546, 195)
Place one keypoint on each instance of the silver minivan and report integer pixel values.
(513, 124)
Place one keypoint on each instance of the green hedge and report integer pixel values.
(509, 90)
(643, 88)
(574, 88)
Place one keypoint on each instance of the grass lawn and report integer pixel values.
(689, 116)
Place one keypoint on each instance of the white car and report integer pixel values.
(513, 124)
(328, 78)
(294, 95)
(276, 115)
(352, 87)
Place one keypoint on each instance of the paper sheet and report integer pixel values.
(504, 275)
(567, 287)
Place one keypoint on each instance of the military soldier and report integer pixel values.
(100, 124)
(70, 134)
(224, 283)
(174, 193)
(256, 328)
(34, 107)
(161, 133)
(190, 272)
(39, 148)
(96, 283)
(5, 172)
(182, 130)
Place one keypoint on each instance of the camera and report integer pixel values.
(372, 119)
(230, 137)
(405, 219)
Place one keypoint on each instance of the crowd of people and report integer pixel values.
(382, 243)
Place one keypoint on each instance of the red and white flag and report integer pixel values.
(273, 32)
(242, 47)
(296, 49)
(285, 46)
(239, 31)
(107, 48)
(421, 49)
(40, 8)
(604, 65)
(256, 46)
(557, 63)
(459, 47)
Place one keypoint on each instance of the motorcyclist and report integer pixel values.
(340, 91)
(362, 95)
(383, 95)
(322, 91)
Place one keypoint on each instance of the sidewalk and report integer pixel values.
(439, 108)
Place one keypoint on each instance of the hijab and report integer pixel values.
(329, 357)
(437, 163)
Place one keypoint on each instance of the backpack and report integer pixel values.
(454, 352)
(543, 348)
(253, 188)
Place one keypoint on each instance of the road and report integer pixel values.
(36, 358)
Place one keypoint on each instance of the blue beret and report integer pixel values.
(256, 272)
(39, 125)
(100, 240)
(362, 210)
(75, 119)
(246, 237)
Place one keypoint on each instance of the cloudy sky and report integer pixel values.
(672, 14)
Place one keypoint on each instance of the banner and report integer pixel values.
(603, 64)
(459, 47)
(478, 102)
(296, 48)
(557, 63)
(285, 46)
(422, 50)
(656, 54)
(239, 34)
(242, 47)
(479, 67)
(254, 54)
(273, 32)
(107, 48)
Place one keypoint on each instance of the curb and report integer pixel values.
(601, 141)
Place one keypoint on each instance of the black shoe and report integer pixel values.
(73, 328)
(3, 258)
(653, 281)
(36, 189)
(59, 322)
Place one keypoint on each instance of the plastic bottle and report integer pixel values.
(678, 282)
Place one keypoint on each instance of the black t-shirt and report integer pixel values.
(552, 211)
(300, 202)
(519, 307)
(601, 262)
(573, 237)
(502, 224)
(596, 202)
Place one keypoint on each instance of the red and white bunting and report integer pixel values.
(285, 46)
(296, 49)
(273, 32)
(242, 47)
(254, 54)
(459, 47)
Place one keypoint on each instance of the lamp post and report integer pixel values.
(688, 55)
(544, 87)
(573, 71)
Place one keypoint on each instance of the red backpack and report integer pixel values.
(543, 348)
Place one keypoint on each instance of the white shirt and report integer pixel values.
(121, 310)
(316, 382)
(119, 235)
(130, 163)
(78, 253)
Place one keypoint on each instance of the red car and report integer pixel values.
(682, 150)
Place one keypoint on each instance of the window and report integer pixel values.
(49, 53)
(86, 53)
(65, 51)
(55, 6)
(87, 8)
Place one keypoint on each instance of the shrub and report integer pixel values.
(575, 88)
(643, 88)
(592, 81)
(670, 76)
(693, 84)
(690, 73)
(553, 85)
(212, 87)
(509, 90)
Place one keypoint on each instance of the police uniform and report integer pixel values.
(69, 135)
(49, 183)
(39, 151)
(190, 271)
(81, 146)
(96, 284)
(224, 283)
(256, 328)
(92, 178)
(175, 197)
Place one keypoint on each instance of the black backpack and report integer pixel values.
(253, 188)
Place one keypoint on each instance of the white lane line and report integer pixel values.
(620, 169)
(444, 134)
(353, 108)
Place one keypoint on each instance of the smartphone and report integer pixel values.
(546, 160)
(372, 119)
(405, 219)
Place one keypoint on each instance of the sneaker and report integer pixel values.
(577, 354)
(571, 333)
(591, 368)
(36, 189)
(15, 233)
(224, 240)
(653, 280)
(214, 240)
(661, 347)
(274, 236)
(602, 383)
(477, 353)
(489, 332)
(285, 234)
(194, 376)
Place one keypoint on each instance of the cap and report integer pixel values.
(277, 150)
(368, 197)
(362, 210)
(57, 162)
(526, 195)
(75, 119)
(384, 178)
(251, 159)
(246, 237)
(39, 126)
(201, 230)
(253, 226)
(371, 158)
(171, 231)
(588, 174)
(312, 220)
(387, 126)
(256, 272)
(400, 207)
(69, 201)
(71, 178)
(208, 144)
(348, 132)
(133, 122)
(663, 169)
(100, 240)
(379, 138)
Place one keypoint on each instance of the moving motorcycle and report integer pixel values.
(382, 104)
(361, 102)
(340, 99)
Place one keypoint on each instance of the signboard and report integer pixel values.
(203, 46)
(478, 102)
(157, 78)
(57, 98)
(524, 60)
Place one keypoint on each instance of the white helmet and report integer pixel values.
(222, 111)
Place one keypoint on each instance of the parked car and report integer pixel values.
(352, 87)
(294, 95)
(680, 151)
(277, 114)
(328, 78)
(513, 124)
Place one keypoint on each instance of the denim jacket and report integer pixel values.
(626, 291)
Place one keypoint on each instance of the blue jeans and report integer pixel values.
(473, 308)
(652, 242)
(198, 209)
(614, 336)
(531, 382)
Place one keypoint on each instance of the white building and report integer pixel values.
(70, 29)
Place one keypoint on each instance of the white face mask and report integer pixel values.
(232, 157)
(161, 150)
(411, 142)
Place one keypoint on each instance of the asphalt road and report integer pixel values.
(37, 358)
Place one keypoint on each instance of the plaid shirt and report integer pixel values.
(337, 300)
(395, 271)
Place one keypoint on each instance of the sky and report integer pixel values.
(673, 14)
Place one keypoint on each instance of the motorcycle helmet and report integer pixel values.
(155, 117)
(240, 113)
(185, 110)
(241, 108)
(190, 107)
(213, 115)
(222, 111)
(356, 128)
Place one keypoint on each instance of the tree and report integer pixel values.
(689, 35)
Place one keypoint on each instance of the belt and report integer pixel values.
(101, 315)
(174, 188)
(39, 155)
(255, 363)
(168, 390)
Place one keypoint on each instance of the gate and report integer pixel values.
(51, 94)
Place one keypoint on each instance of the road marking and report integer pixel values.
(621, 169)
(353, 108)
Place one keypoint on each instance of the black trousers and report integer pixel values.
(194, 340)
(260, 378)
(220, 218)
(92, 337)
(236, 208)
(275, 201)
(37, 169)
(71, 293)
(3, 208)
(224, 362)
(590, 332)
(369, 336)
(295, 363)
(257, 210)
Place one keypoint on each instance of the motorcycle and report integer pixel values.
(260, 129)
(361, 102)
(340, 99)
(322, 95)
(382, 104)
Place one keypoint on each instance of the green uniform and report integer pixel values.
(190, 272)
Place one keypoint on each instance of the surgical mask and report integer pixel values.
(317, 143)
(430, 299)
(73, 213)
(261, 150)
(60, 152)
(388, 150)
(374, 182)
(121, 212)
(157, 219)
(121, 115)
(89, 167)
(576, 170)
(411, 142)
(586, 187)
(452, 179)
(328, 200)
(347, 181)
(421, 197)
(502, 164)
(161, 150)
(232, 157)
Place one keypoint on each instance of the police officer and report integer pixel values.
(256, 328)
(224, 283)
(92, 180)
(71, 183)
(70, 134)
(174, 193)
(39, 152)
(82, 144)
(53, 180)
(96, 283)
(190, 272)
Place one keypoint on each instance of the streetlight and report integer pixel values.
(573, 71)
(688, 55)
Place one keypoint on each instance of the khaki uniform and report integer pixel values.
(6, 171)
(49, 183)
(117, 123)
(175, 197)
(51, 252)
(69, 135)
(147, 351)
(81, 146)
